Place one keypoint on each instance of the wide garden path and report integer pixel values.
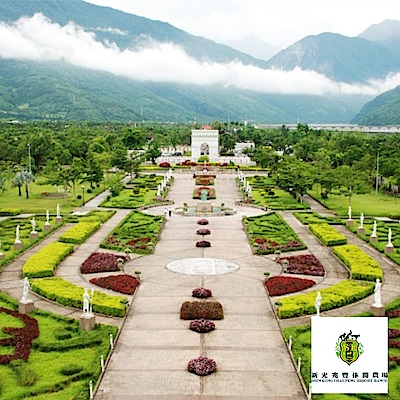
(155, 345)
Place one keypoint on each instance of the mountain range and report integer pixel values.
(55, 89)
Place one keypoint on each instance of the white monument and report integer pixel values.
(26, 306)
(374, 236)
(318, 302)
(205, 142)
(389, 248)
(87, 320)
(377, 309)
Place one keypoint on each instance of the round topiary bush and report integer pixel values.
(203, 231)
(201, 293)
(202, 221)
(202, 326)
(203, 243)
(202, 366)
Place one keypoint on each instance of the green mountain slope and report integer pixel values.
(383, 110)
(338, 57)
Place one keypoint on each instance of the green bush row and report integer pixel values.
(339, 295)
(68, 294)
(4, 212)
(312, 217)
(327, 234)
(361, 265)
(44, 262)
(80, 232)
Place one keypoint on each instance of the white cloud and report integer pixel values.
(115, 31)
(39, 39)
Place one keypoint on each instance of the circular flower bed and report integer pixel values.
(202, 366)
(203, 243)
(203, 231)
(202, 221)
(201, 293)
(279, 285)
(202, 326)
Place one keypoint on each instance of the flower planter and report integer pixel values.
(202, 326)
(202, 366)
(203, 231)
(202, 221)
(203, 243)
(201, 293)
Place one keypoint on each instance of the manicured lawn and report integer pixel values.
(369, 204)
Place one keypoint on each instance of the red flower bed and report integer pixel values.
(210, 192)
(305, 264)
(125, 284)
(279, 285)
(394, 344)
(101, 262)
(202, 221)
(201, 293)
(164, 164)
(203, 243)
(268, 245)
(203, 231)
(204, 180)
(393, 314)
(21, 337)
(202, 366)
(188, 163)
(202, 326)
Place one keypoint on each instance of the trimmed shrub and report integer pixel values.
(68, 294)
(339, 295)
(45, 261)
(80, 232)
(201, 293)
(280, 285)
(4, 212)
(327, 234)
(101, 262)
(202, 366)
(125, 284)
(361, 265)
(202, 310)
(202, 326)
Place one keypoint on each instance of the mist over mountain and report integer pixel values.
(67, 59)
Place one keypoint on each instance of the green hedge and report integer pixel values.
(328, 235)
(361, 265)
(80, 232)
(68, 294)
(44, 262)
(312, 217)
(339, 295)
(4, 212)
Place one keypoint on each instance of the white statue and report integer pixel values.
(58, 210)
(86, 302)
(25, 291)
(390, 237)
(361, 220)
(47, 217)
(33, 223)
(17, 239)
(318, 301)
(374, 230)
(377, 290)
(159, 190)
(349, 213)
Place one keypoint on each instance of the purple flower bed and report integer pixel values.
(202, 221)
(305, 264)
(203, 243)
(201, 293)
(101, 262)
(267, 246)
(202, 326)
(203, 231)
(394, 333)
(202, 366)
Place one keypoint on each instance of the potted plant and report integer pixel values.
(266, 274)
(138, 273)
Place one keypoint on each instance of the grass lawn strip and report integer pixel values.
(339, 295)
(45, 261)
(68, 294)
(62, 361)
(361, 265)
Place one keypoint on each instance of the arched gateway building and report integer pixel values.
(205, 142)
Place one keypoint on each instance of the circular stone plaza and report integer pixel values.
(150, 356)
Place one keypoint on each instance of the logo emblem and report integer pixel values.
(348, 348)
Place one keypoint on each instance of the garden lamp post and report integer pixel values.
(83, 195)
(30, 167)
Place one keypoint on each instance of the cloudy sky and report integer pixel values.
(279, 22)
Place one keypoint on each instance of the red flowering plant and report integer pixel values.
(201, 293)
(101, 262)
(280, 285)
(21, 338)
(210, 192)
(202, 326)
(203, 231)
(202, 366)
(201, 310)
(125, 284)
(164, 164)
(203, 243)
(204, 180)
(267, 246)
(202, 221)
(305, 264)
